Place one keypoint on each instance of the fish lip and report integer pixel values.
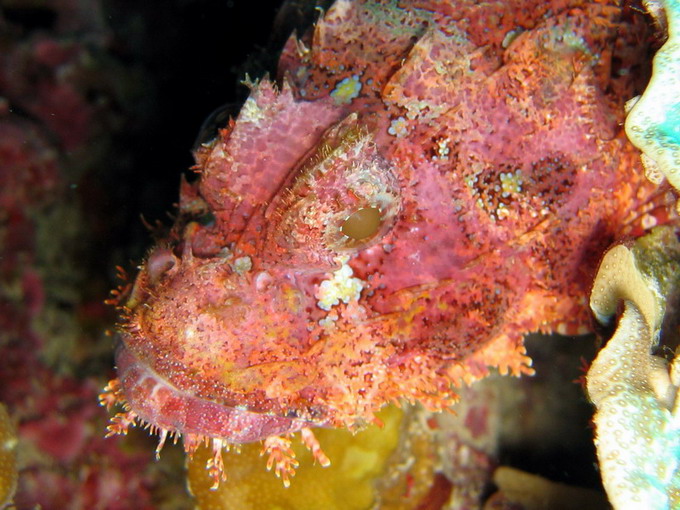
(164, 407)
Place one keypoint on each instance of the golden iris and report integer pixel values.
(362, 223)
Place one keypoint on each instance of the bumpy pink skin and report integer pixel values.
(501, 175)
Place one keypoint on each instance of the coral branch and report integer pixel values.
(637, 419)
(653, 124)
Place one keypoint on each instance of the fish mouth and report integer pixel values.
(152, 402)
(164, 407)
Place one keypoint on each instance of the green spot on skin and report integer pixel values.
(346, 90)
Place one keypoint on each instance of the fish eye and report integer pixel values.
(362, 224)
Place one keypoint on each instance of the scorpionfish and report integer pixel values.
(415, 192)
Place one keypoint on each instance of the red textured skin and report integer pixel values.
(502, 175)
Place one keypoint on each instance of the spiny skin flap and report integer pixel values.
(418, 194)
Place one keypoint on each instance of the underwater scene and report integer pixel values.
(350, 254)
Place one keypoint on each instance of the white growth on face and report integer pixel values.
(341, 286)
(242, 265)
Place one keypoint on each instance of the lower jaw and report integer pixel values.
(172, 411)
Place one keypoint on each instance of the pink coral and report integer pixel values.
(49, 137)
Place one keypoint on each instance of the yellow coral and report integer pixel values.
(532, 492)
(374, 463)
(8, 458)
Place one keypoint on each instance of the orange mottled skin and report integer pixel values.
(498, 164)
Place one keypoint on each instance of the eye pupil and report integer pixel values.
(362, 223)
